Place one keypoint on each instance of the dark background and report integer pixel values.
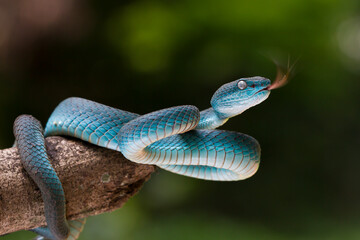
(144, 55)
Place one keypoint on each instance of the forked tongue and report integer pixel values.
(282, 77)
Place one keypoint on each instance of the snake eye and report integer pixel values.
(242, 85)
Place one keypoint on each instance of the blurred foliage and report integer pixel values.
(145, 55)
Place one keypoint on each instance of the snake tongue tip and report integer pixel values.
(280, 80)
(282, 77)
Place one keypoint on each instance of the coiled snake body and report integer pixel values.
(178, 139)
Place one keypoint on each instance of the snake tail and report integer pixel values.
(31, 146)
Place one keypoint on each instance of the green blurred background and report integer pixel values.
(144, 55)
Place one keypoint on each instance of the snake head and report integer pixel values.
(235, 97)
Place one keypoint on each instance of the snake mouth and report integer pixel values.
(264, 89)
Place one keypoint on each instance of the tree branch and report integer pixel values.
(95, 180)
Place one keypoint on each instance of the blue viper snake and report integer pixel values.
(180, 139)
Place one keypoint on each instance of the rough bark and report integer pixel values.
(95, 180)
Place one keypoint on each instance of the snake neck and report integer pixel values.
(210, 119)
